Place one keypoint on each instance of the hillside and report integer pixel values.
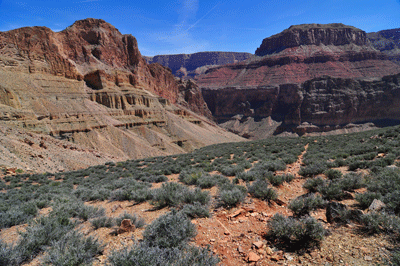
(276, 201)
(89, 87)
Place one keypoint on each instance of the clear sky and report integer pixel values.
(188, 26)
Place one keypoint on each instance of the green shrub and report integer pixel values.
(304, 205)
(145, 255)
(42, 233)
(295, 233)
(259, 189)
(313, 184)
(102, 222)
(190, 176)
(333, 174)
(230, 195)
(174, 195)
(313, 169)
(365, 199)
(171, 230)
(231, 170)
(196, 210)
(73, 249)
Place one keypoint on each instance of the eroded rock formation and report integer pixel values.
(279, 83)
(90, 85)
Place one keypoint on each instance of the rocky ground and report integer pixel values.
(238, 235)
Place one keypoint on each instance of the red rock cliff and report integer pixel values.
(86, 46)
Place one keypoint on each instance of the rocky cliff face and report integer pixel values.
(89, 84)
(274, 85)
(335, 34)
(388, 42)
(192, 65)
(318, 105)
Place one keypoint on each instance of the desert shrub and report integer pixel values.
(170, 194)
(351, 181)
(313, 169)
(333, 174)
(295, 233)
(196, 195)
(174, 195)
(259, 189)
(313, 184)
(190, 176)
(73, 249)
(16, 215)
(42, 233)
(207, 181)
(331, 191)
(304, 205)
(77, 209)
(365, 199)
(276, 180)
(145, 255)
(102, 222)
(375, 222)
(136, 220)
(196, 210)
(230, 195)
(141, 195)
(231, 170)
(9, 256)
(171, 230)
(392, 201)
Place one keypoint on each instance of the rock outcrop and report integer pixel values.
(192, 65)
(318, 105)
(335, 34)
(273, 84)
(388, 42)
(90, 85)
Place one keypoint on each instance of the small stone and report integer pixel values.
(376, 205)
(258, 244)
(276, 257)
(253, 257)
(227, 233)
(240, 249)
(212, 240)
(288, 257)
(126, 226)
(368, 258)
(269, 251)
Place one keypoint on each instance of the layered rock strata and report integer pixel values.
(318, 105)
(273, 84)
(90, 85)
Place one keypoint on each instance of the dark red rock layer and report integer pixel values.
(85, 47)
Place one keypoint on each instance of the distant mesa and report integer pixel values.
(192, 65)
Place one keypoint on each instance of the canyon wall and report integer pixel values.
(89, 85)
(309, 78)
(192, 65)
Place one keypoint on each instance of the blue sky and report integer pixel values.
(188, 26)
